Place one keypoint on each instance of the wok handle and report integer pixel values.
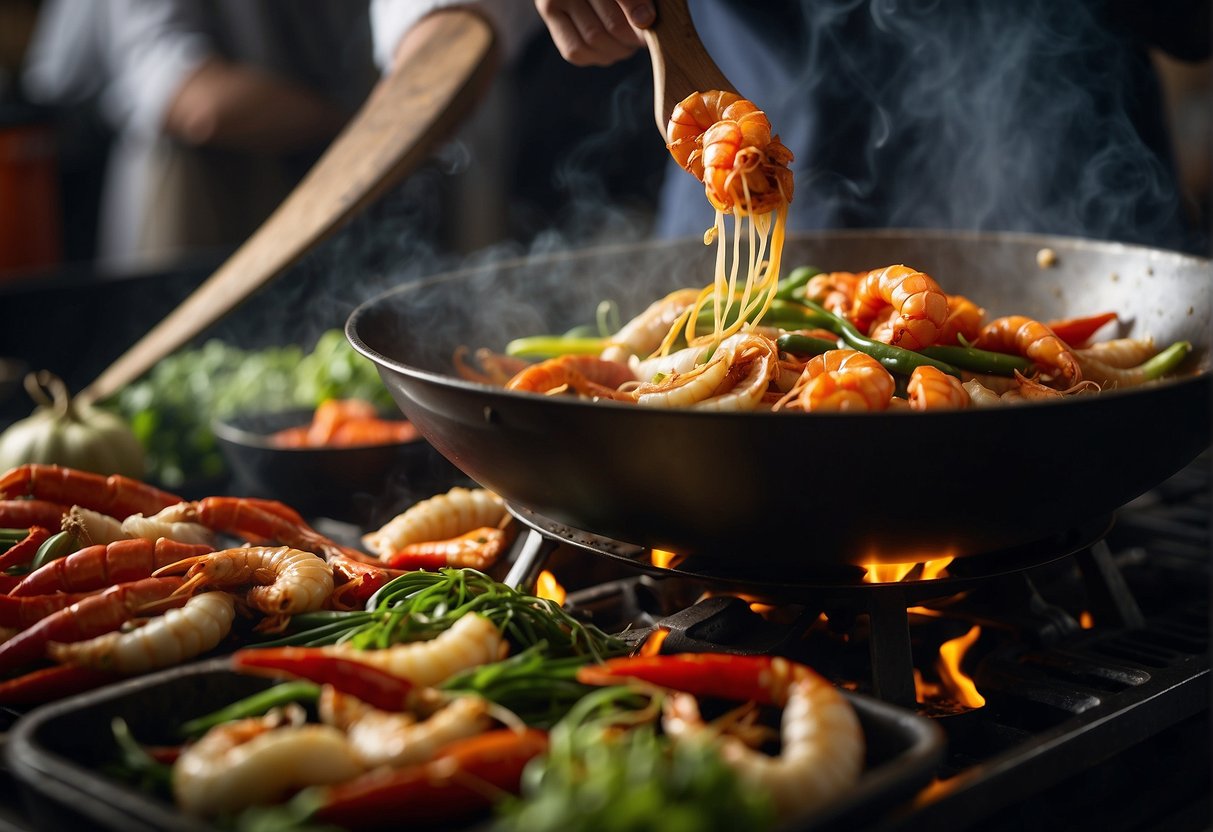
(411, 109)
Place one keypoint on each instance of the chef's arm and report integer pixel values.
(225, 104)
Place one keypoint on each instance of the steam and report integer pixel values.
(984, 115)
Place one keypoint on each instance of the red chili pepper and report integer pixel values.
(462, 782)
(23, 551)
(50, 683)
(372, 685)
(1075, 331)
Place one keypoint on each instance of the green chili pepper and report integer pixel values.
(258, 703)
(54, 547)
(980, 361)
(894, 359)
(782, 313)
(791, 285)
(550, 346)
(1166, 361)
(804, 344)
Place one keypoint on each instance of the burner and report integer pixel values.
(829, 584)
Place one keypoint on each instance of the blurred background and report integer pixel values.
(121, 191)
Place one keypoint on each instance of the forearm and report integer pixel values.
(237, 107)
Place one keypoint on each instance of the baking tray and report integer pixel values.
(55, 753)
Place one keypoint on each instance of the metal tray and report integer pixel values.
(55, 752)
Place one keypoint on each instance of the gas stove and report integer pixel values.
(1075, 688)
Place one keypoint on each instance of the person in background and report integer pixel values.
(1038, 117)
(217, 107)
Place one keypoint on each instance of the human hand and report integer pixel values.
(596, 32)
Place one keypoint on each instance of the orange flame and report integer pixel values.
(546, 586)
(652, 644)
(664, 559)
(891, 573)
(953, 683)
(1086, 620)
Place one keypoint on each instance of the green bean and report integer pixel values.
(979, 361)
(1166, 361)
(795, 281)
(894, 359)
(804, 344)
(56, 546)
(258, 703)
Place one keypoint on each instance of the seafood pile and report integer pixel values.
(401, 681)
(106, 577)
(835, 341)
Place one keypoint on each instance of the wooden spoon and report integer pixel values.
(411, 109)
(681, 65)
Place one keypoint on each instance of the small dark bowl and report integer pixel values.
(364, 484)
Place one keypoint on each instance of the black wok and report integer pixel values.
(805, 489)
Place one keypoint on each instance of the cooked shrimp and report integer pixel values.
(1121, 353)
(1020, 335)
(841, 380)
(725, 141)
(585, 375)
(380, 738)
(439, 518)
(964, 320)
(477, 549)
(833, 290)
(288, 581)
(643, 334)
(166, 640)
(471, 641)
(255, 761)
(920, 306)
(933, 389)
(822, 741)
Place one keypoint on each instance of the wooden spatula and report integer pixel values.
(681, 65)
(418, 104)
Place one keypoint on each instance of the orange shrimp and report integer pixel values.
(833, 290)
(265, 521)
(932, 389)
(115, 495)
(841, 380)
(92, 616)
(964, 320)
(585, 375)
(1021, 335)
(478, 549)
(725, 141)
(285, 581)
(920, 306)
(96, 567)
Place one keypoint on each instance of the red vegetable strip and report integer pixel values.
(51, 683)
(462, 782)
(372, 685)
(1075, 331)
(23, 551)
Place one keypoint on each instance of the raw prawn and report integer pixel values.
(256, 760)
(823, 746)
(167, 640)
(115, 495)
(440, 517)
(470, 642)
(383, 738)
(932, 389)
(585, 375)
(91, 616)
(725, 141)
(643, 334)
(1020, 335)
(264, 521)
(841, 380)
(920, 307)
(288, 581)
(99, 566)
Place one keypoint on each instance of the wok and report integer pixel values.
(804, 490)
